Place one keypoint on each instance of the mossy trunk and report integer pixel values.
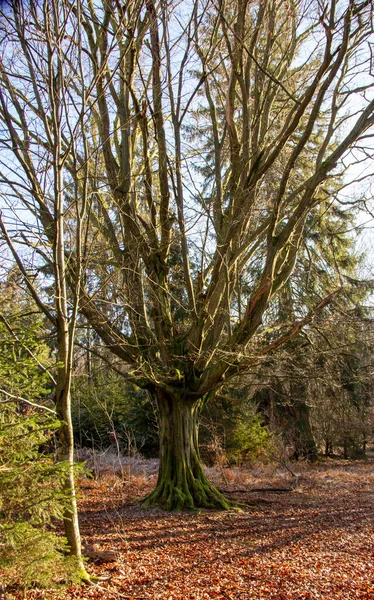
(181, 482)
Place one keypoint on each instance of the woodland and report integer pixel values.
(186, 299)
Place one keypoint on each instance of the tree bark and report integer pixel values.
(305, 445)
(65, 453)
(181, 482)
(328, 447)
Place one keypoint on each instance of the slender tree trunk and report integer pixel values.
(65, 453)
(65, 327)
(328, 447)
(181, 480)
(345, 448)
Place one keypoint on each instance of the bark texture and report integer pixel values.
(181, 482)
(65, 453)
(305, 445)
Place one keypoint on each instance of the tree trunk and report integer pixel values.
(345, 449)
(181, 480)
(305, 445)
(328, 447)
(65, 453)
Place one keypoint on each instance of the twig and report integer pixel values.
(255, 490)
(13, 398)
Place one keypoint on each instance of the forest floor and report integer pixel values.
(313, 542)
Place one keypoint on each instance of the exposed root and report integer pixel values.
(169, 496)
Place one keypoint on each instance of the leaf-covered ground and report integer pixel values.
(316, 541)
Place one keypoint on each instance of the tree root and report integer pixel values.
(199, 495)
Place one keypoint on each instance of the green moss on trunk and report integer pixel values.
(181, 482)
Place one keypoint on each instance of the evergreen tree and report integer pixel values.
(31, 483)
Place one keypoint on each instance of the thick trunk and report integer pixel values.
(305, 445)
(181, 480)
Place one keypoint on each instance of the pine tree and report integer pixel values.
(31, 483)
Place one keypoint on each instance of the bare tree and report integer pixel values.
(211, 131)
(37, 112)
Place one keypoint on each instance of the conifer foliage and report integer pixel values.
(30, 497)
(31, 483)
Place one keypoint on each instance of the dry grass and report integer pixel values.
(108, 463)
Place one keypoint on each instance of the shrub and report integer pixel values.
(109, 412)
(31, 484)
(232, 429)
